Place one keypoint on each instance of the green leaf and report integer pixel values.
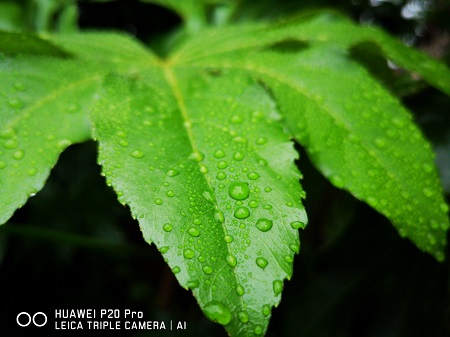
(40, 115)
(207, 170)
(13, 44)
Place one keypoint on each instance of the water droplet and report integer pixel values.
(231, 260)
(164, 249)
(222, 164)
(427, 168)
(207, 270)
(176, 270)
(297, 224)
(218, 215)
(294, 247)
(219, 154)
(73, 108)
(240, 290)
(266, 310)
(336, 180)
(18, 155)
(167, 227)
(188, 253)
(197, 156)
(217, 312)
(11, 143)
(261, 140)
(277, 287)
(243, 316)
(2, 164)
(7, 133)
(380, 142)
(123, 143)
(15, 103)
(193, 231)
(238, 190)
(262, 162)
(242, 212)
(63, 143)
(261, 262)
(443, 207)
(172, 173)
(32, 171)
(238, 156)
(158, 201)
(221, 176)
(253, 203)
(19, 86)
(252, 175)
(264, 224)
(236, 119)
(431, 239)
(258, 330)
(228, 238)
(288, 259)
(267, 189)
(137, 154)
(203, 169)
(170, 193)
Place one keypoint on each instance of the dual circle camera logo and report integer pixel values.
(24, 319)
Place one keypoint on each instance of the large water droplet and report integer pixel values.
(264, 224)
(238, 190)
(231, 260)
(242, 212)
(277, 287)
(261, 262)
(188, 253)
(217, 312)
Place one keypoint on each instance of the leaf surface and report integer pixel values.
(207, 170)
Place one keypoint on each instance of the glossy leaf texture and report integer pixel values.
(206, 168)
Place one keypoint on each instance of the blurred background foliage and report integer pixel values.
(74, 246)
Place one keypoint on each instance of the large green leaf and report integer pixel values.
(207, 170)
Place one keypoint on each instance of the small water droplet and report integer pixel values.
(11, 143)
(218, 215)
(336, 180)
(188, 253)
(18, 155)
(264, 224)
(221, 176)
(428, 192)
(192, 284)
(380, 142)
(277, 287)
(294, 247)
(238, 190)
(266, 310)
(219, 154)
(197, 156)
(218, 312)
(443, 207)
(207, 270)
(176, 270)
(243, 316)
(167, 227)
(288, 259)
(15, 103)
(252, 175)
(236, 119)
(172, 173)
(261, 262)
(164, 249)
(137, 154)
(261, 140)
(193, 231)
(258, 330)
(123, 143)
(431, 239)
(297, 224)
(228, 238)
(231, 260)
(262, 162)
(170, 193)
(267, 189)
(32, 171)
(253, 203)
(2, 164)
(158, 201)
(222, 164)
(19, 86)
(240, 290)
(7, 133)
(203, 169)
(242, 212)
(238, 156)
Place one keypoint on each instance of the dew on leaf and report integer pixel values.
(158, 201)
(228, 238)
(264, 224)
(267, 189)
(261, 140)
(18, 155)
(219, 154)
(167, 227)
(238, 190)
(261, 262)
(7, 133)
(242, 212)
(217, 312)
(15, 103)
(203, 169)
(266, 310)
(243, 316)
(192, 284)
(123, 143)
(188, 253)
(262, 162)
(176, 270)
(258, 330)
(170, 193)
(252, 175)
(218, 215)
(297, 224)
(164, 249)
(443, 207)
(253, 203)
(294, 247)
(11, 143)
(238, 156)
(221, 175)
(277, 287)
(240, 290)
(231, 260)
(32, 171)
(236, 119)
(222, 164)
(207, 270)
(2, 164)
(288, 259)
(193, 231)
(337, 180)
(197, 156)
(137, 154)
(427, 192)
(172, 173)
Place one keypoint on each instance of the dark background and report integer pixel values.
(74, 246)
